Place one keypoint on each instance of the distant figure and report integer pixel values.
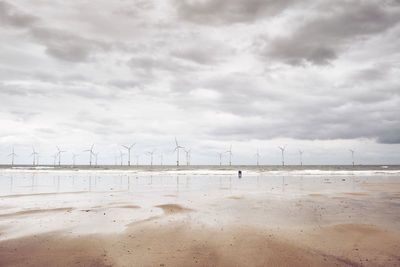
(240, 174)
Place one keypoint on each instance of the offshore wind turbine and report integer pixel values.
(151, 153)
(230, 155)
(187, 156)
(129, 152)
(90, 154)
(95, 157)
(74, 158)
(283, 154)
(161, 158)
(59, 155)
(121, 156)
(55, 159)
(177, 147)
(12, 155)
(220, 158)
(34, 154)
(258, 157)
(352, 156)
(137, 160)
(301, 157)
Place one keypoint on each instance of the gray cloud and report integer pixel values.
(320, 40)
(209, 53)
(13, 16)
(60, 44)
(67, 46)
(229, 11)
(210, 72)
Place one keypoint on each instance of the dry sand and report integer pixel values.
(224, 227)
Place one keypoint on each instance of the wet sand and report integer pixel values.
(178, 244)
(279, 223)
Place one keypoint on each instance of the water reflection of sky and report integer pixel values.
(52, 182)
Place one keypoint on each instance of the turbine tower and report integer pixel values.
(230, 155)
(187, 156)
(352, 156)
(137, 160)
(129, 152)
(283, 154)
(55, 159)
(73, 159)
(90, 154)
(258, 157)
(34, 154)
(301, 157)
(59, 155)
(95, 157)
(12, 155)
(151, 153)
(177, 147)
(220, 158)
(121, 156)
(161, 159)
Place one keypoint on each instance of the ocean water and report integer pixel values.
(288, 181)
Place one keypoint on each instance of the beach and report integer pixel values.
(200, 217)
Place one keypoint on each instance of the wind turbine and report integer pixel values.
(96, 156)
(301, 157)
(151, 156)
(283, 154)
(187, 156)
(74, 158)
(90, 154)
(177, 147)
(12, 155)
(352, 156)
(230, 155)
(220, 158)
(129, 152)
(34, 153)
(258, 157)
(137, 160)
(59, 155)
(121, 156)
(55, 159)
(161, 159)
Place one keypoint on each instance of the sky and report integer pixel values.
(319, 76)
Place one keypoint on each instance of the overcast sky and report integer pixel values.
(317, 75)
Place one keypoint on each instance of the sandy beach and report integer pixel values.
(99, 218)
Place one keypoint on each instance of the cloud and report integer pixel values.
(210, 52)
(60, 44)
(320, 40)
(210, 72)
(10, 15)
(220, 12)
(67, 46)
